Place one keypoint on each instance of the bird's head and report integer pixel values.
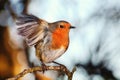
(61, 27)
(60, 33)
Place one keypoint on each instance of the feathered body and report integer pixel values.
(50, 39)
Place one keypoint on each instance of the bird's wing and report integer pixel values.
(31, 28)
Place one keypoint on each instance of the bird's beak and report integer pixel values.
(72, 27)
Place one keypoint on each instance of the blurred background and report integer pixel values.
(94, 45)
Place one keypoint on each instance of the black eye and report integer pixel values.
(61, 26)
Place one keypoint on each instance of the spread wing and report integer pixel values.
(31, 28)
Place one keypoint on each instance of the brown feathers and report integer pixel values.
(30, 28)
(51, 40)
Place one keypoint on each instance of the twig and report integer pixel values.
(39, 68)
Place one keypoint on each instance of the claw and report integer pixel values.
(43, 68)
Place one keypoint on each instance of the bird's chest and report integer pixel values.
(51, 48)
(52, 54)
(59, 40)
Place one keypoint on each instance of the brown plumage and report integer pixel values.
(50, 39)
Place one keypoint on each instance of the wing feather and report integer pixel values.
(31, 28)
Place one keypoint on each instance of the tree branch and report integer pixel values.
(39, 68)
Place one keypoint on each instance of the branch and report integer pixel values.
(39, 68)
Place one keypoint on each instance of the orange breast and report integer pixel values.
(59, 39)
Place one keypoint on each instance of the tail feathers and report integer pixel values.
(29, 27)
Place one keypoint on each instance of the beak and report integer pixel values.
(72, 27)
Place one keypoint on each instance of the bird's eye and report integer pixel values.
(61, 26)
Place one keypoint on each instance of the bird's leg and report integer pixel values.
(61, 66)
(38, 54)
(57, 63)
(43, 67)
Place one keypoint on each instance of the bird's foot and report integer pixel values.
(43, 68)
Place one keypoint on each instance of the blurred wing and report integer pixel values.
(30, 28)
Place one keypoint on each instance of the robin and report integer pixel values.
(51, 40)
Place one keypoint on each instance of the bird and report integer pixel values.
(50, 40)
